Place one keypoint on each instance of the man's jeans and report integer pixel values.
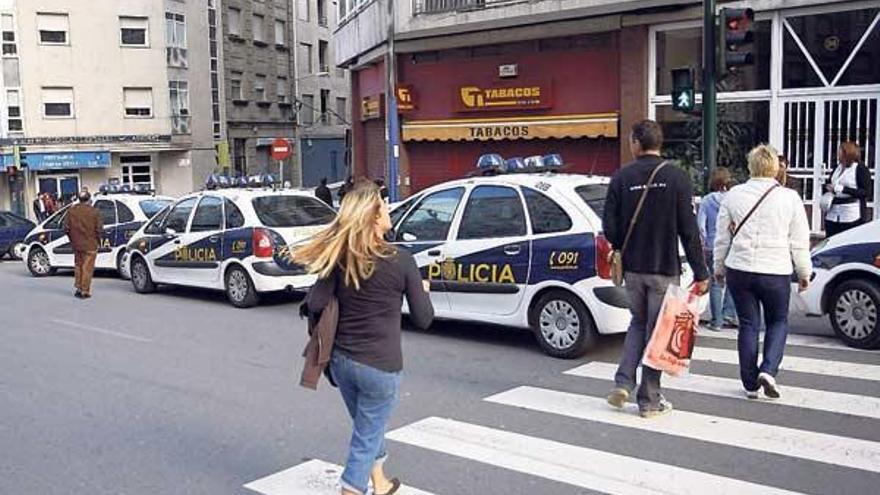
(370, 396)
(720, 300)
(646, 294)
(751, 291)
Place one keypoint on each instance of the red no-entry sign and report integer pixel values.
(281, 149)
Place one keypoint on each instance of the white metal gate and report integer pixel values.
(814, 129)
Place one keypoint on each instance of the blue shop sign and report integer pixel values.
(61, 161)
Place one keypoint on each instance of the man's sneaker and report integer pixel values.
(712, 327)
(665, 407)
(617, 398)
(768, 383)
(752, 394)
(731, 323)
(78, 294)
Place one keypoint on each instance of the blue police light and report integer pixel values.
(515, 163)
(535, 161)
(213, 182)
(125, 188)
(223, 181)
(141, 188)
(490, 161)
(112, 189)
(103, 189)
(553, 160)
(268, 180)
(241, 181)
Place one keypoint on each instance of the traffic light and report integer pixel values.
(18, 157)
(683, 90)
(735, 32)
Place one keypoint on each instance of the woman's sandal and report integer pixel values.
(395, 485)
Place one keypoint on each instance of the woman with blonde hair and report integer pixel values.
(371, 278)
(762, 232)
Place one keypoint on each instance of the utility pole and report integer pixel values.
(392, 124)
(710, 115)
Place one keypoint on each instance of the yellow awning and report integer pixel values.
(497, 129)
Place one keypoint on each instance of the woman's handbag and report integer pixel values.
(617, 254)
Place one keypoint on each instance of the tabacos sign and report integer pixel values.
(510, 96)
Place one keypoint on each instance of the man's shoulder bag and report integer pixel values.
(617, 254)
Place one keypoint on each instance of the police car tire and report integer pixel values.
(148, 286)
(585, 339)
(31, 259)
(868, 292)
(250, 298)
(119, 263)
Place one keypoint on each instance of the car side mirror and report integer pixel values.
(170, 231)
(409, 237)
(391, 235)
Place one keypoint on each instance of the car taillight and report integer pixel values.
(263, 247)
(603, 255)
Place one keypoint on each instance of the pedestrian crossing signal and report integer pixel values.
(683, 95)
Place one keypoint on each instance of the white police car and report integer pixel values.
(235, 240)
(518, 249)
(846, 285)
(123, 211)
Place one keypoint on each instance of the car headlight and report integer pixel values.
(826, 261)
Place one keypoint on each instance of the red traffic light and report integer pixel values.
(736, 19)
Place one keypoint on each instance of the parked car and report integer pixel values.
(13, 231)
(846, 285)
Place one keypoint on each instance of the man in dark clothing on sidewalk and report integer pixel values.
(651, 259)
(322, 192)
(84, 227)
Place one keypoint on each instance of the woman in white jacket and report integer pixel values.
(762, 231)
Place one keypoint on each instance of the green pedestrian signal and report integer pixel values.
(683, 95)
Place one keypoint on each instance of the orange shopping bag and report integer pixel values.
(672, 342)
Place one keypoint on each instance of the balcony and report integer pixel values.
(442, 6)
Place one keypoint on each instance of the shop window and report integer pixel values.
(58, 102)
(53, 29)
(138, 102)
(741, 126)
(828, 41)
(133, 31)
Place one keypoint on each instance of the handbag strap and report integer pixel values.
(749, 214)
(639, 206)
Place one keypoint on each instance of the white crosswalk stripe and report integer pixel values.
(820, 447)
(314, 477)
(799, 364)
(814, 341)
(578, 466)
(819, 400)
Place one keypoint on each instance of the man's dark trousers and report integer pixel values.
(646, 294)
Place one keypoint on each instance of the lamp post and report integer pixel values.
(392, 124)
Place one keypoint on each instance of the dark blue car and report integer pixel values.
(13, 230)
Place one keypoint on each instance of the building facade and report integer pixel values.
(571, 76)
(279, 83)
(120, 90)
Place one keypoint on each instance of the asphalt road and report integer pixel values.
(179, 393)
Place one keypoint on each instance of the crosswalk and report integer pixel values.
(739, 428)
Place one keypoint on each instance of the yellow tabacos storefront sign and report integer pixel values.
(495, 129)
(529, 96)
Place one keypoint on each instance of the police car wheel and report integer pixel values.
(140, 276)
(854, 311)
(240, 288)
(38, 263)
(119, 257)
(562, 325)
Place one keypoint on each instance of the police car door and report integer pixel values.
(107, 209)
(487, 264)
(424, 232)
(54, 240)
(201, 250)
(168, 257)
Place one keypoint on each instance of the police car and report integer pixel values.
(846, 285)
(521, 248)
(236, 240)
(123, 210)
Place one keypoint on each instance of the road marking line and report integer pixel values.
(799, 364)
(812, 446)
(578, 466)
(101, 331)
(314, 477)
(815, 341)
(806, 398)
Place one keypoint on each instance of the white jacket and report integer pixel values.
(775, 238)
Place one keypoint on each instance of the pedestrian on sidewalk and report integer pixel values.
(322, 192)
(720, 300)
(649, 208)
(762, 233)
(84, 228)
(850, 184)
(366, 362)
(40, 211)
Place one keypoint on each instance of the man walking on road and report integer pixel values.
(649, 248)
(84, 228)
(322, 192)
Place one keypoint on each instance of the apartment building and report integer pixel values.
(106, 89)
(280, 82)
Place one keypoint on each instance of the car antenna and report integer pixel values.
(595, 157)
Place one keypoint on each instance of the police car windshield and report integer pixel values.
(292, 211)
(594, 196)
(152, 206)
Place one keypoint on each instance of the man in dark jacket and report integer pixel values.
(84, 227)
(322, 192)
(651, 258)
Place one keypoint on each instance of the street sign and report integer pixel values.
(281, 149)
(683, 97)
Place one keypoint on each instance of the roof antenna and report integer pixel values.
(596, 156)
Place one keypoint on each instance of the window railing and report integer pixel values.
(441, 6)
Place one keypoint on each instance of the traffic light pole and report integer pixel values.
(710, 115)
